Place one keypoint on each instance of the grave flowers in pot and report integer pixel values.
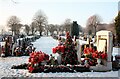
(90, 56)
(101, 57)
(37, 59)
(93, 57)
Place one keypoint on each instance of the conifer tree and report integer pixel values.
(70, 54)
(117, 27)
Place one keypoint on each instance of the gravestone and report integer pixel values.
(105, 43)
(75, 29)
(78, 51)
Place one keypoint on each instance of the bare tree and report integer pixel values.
(33, 28)
(101, 27)
(93, 22)
(111, 27)
(18, 28)
(52, 28)
(67, 25)
(14, 24)
(40, 20)
(27, 29)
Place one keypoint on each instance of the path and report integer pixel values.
(45, 44)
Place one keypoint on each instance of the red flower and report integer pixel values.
(94, 55)
(31, 69)
(32, 60)
(46, 57)
(29, 60)
(62, 48)
(101, 55)
(104, 55)
(86, 51)
(59, 49)
(31, 54)
(91, 50)
(37, 57)
(54, 50)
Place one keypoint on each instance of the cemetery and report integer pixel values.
(70, 54)
(60, 55)
(69, 42)
(40, 62)
(99, 59)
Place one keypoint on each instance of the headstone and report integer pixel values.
(78, 51)
(75, 29)
(88, 40)
(105, 43)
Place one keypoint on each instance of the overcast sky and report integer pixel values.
(58, 10)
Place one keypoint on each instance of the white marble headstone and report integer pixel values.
(105, 43)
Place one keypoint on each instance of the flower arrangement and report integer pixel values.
(58, 49)
(91, 55)
(36, 58)
(88, 52)
(101, 55)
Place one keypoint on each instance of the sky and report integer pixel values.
(58, 10)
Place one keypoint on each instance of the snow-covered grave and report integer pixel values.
(44, 44)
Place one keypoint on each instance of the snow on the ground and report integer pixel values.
(6, 71)
(6, 64)
(44, 44)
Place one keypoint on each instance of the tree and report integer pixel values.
(14, 24)
(101, 27)
(58, 28)
(93, 21)
(69, 56)
(75, 29)
(52, 28)
(117, 27)
(40, 20)
(67, 25)
(111, 27)
(18, 29)
(90, 32)
(80, 28)
(27, 29)
(33, 28)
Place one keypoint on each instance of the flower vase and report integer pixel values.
(59, 59)
(86, 62)
(104, 62)
(98, 61)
